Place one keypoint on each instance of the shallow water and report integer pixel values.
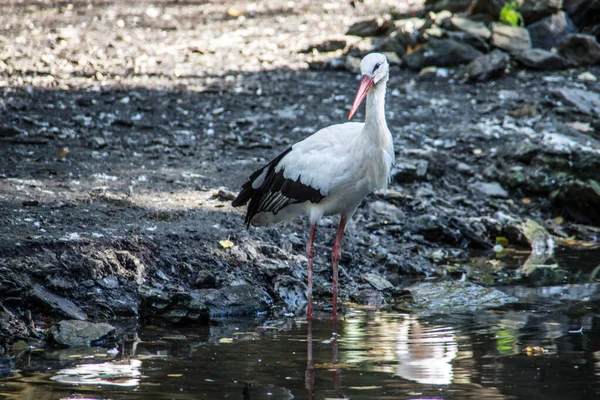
(528, 352)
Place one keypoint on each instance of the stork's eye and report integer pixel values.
(376, 66)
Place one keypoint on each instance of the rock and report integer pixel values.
(352, 63)
(585, 101)
(475, 28)
(378, 282)
(291, 291)
(371, 27)
(448, 296)
(510, 38)
(205, 280)
(7, 131)
(548, 32)
(58, 304)
(410, 170)
(538, 237)
(441, 53)
(391, 213)
(367, 297)
(108, 282)
(20, 345)
(491, 189)
(532, 10)
(466, 38)
(406, 35)
(393, 58)
(542, 59)
(464, 168)
(580, 48)
(80, 333)
(174, 307)
(585, 15)
(488, 66)
(326, 46)
(7, 365)
(587, 76)
(450, 5)
(580, 199)
(234, 300)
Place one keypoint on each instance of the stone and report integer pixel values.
(580, 199)
(585, 14)
(491, 189)
(441, 53)
(406, 36)
(488, 66)
(475, 28)
(580, 48)
(367, 297)
(389, 211)
(532, 10)
(510, 38)
(80, 333)
(548, 32)
(538, 237)
(378, 282)
(466, 38)
(585, 101)
(242, 299)
(370, 27)
(450, 5)
(58, 304)
(205, 280)
(291, 291)
(7, 366)
(542, 59)
(326, 46)
(410, 170)
(447, 296)
(587, 76)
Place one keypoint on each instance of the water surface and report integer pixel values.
(525, 352)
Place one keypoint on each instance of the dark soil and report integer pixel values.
(126, 128)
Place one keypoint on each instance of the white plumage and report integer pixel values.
(329, 172)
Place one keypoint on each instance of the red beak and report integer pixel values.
(365, 84)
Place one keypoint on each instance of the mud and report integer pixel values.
(126, 128)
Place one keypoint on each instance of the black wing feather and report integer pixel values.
(276, 191)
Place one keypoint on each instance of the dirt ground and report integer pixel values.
(126, 127)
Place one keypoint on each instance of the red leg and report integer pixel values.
(310, 253)
(336, 253)
(309, 376)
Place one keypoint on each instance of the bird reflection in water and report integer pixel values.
(336, 367)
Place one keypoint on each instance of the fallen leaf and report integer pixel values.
(526, 201)
(558, 220)
(226, 244)
(232, 12)
(501, 240)
(534, 351)
(410, 49)
(63, 152)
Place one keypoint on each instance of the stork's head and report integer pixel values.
(374, 68)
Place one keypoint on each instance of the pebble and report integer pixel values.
(587, 76)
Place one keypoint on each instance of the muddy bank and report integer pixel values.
(127, 128)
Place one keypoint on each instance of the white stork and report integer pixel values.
(329, 172)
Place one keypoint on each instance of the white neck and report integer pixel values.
(375, 113)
